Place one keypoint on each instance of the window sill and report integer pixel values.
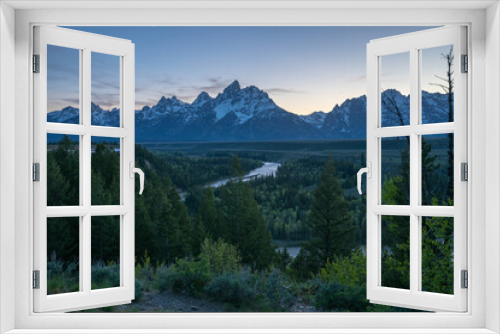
(248, 331)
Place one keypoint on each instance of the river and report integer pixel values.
(268, 169)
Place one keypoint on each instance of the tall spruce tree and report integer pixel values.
(241, 217)
(332, 232)
(170, 223)
(207, 215)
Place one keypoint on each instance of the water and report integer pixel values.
(293, 251)
(268, 169)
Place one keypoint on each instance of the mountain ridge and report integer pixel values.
(247, 114)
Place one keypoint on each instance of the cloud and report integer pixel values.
(282, 91)
(214, 85)
(72, 102)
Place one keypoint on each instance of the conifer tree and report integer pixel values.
(332, 232)
(180, 246)
(207, 215)
(171, 224)
(241, 217)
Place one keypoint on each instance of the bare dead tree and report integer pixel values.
(448, 87)
(391, 106)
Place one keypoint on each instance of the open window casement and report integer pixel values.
(78, 221)
(432, 231)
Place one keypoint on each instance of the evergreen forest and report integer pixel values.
(293, 241)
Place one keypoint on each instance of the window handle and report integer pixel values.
(368, 171)
(134, 170)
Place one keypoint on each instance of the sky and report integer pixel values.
(303, 69)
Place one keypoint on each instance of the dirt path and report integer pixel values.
(170, 302)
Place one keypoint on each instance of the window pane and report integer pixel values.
(437, 84)
(105, 90)
(105, 171)
(395, 89)
(105, 232)
(63, 249)
(395, 171)
(437, 169)
(396, 252)
(63, 85)
(437, 254)
(63, 170)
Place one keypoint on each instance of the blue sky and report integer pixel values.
(304, 69)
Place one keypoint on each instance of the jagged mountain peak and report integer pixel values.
(202, 98)
(233, 88)
(250, 114)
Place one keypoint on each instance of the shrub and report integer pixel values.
(146, 272)
(346, 270)
(233, 288)
(336, 297)
(188, 276)
(62, 277)
(105, 276)
(139, 289)
(278, 291)
(162, 278)
(220, 257)
(307, 289)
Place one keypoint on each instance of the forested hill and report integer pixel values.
(249, 114)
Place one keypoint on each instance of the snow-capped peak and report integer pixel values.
(232, 89)
(244, 103)
(316, 118)
(201, 99)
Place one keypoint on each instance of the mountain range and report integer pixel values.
(249, 114)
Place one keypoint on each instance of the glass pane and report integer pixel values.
(395, 171)
(396, 252)
(395, 89)
(63, 249)
(437, 254)
(63, 170)
(437, 84)
(63, 85)
(105, 90)
(437, 169)
(105, 171)
(105, 232)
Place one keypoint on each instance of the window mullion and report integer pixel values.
(85, 246)
(414, 171)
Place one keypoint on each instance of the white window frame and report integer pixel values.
(85, 44)
(412, 44)
(483, 263)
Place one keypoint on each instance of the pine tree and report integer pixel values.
(241, 217)
(332, 232)
(57, 185)
(207, 215)
(180, 246)
(171, 224)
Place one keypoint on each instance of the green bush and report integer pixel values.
(336, 297)
(62, 277)
(307, 289)
(162, 278)
(347, 270)
(105, 275)
(139, 289)
(232, 288)
(146, 272)
(187, 276)
(220, 257)
(278, 291)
